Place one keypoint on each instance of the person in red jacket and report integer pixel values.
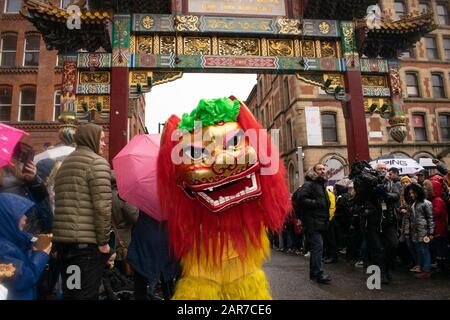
(439, 246)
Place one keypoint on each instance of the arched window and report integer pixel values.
(27, 104)
(438, 85)
(8, 47)
(5, 103)
(412, 85)
(31, 56)
(57, 105)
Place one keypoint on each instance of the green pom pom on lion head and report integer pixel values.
(211, 112)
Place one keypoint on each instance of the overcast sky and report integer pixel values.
(183, 95)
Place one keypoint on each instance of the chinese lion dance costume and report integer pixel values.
(219, 205)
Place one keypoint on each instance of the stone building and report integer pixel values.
(291, 105)
(30, 83)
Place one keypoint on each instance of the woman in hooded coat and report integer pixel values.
(16, 248)
(420, 227)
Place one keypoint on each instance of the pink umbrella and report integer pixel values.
(135, 167)
(9, 137)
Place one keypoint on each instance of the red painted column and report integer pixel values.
(354, 113)
(355, 119)
(119, 84)
(119, 111)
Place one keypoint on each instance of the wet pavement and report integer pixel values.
(288, 275)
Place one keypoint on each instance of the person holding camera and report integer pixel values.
(390, 191)
(17, 248)
(367, 204)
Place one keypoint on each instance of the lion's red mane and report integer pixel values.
(191, 224)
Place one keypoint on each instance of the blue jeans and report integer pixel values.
(315, 260)
(412, 251)
(423, 255)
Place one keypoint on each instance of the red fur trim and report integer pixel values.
(192, 225)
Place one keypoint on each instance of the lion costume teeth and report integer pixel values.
(218, 203)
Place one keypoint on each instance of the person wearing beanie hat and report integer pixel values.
(405, 181)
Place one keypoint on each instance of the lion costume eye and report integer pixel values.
(235, 140)
(195, 153)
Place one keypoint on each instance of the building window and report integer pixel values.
(438, 86)
(289, 145)
(65, 4)
(27, 104)
(408, 54)
(260, 90)
(400, 9)
(420, 132)
(263, 118)
(8, 47)
(442, 13)
(13, 6)
(447, 48)
(5, 103)
(31, 57)
(329, 132)
(59, 60)
(57, 107)
(432, 51)
(424, 6)
(444, 124)
(412, 85)
(285, 94)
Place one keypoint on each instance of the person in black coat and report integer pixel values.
(315, 203)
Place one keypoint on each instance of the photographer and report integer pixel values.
(367, 203)
(390, 191)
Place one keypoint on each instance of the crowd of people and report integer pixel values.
(65, 233)
(373, 217)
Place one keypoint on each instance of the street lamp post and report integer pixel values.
(160, 124)
(301, 175)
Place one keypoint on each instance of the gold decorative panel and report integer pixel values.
(239, 47)
(132, 44)
(97, 77)
(324, 27)
(284, 48)
(308, 49)
(144, 45)
(92, 101)
(328, 49)
(167, 45)
(337, 79)
(375, 81)
(197, 46)
(136, 77)
(379, 101)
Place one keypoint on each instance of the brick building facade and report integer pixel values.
(30, 82)
(282, 101)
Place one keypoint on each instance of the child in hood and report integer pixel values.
(16, 247)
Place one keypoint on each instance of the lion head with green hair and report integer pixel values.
(210, 112)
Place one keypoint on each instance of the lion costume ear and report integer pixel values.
(165, 166)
